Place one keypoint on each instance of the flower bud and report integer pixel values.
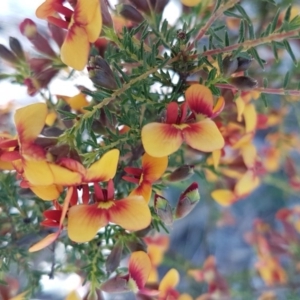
(100, 73)
(57, 33)
(159, 5)
(116, 284)
(163, 209)
(8, 55)
(136, 245)
(243, 82)
(181, 173)
(187, 201)
(141, 5)
(16, 47)
(114, 258)
(106, 16)
(29, 29)
(130, 13)
(229, 66)
(243, 64)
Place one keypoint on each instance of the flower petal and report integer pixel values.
(47, 9)
(204, 136)
(84, 221)
(224, 197)
(47, 192)
(75, 49)
(200, 99)
(139, 268)
(250, 117)
(169, 281)
(63, 176)
(153, 167)
(161, 139)
(94, 27)
(144, 189)
(190, 3)
(38, 172)
(131, 213)
(30, 121)
(247, 183)
(48, 240)
(105, 168)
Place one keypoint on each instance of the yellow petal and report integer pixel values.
(75, 49)
(84, 221)
(47, 192)
(204, 136)
(169, 281)
(248, 182)
(144, 190)
(73, 296)
(94, 27)
(249, 154)
(77, 102)
(21, 296)
(250, 117)
(63, 176)
(190, 3)
(48, 240)
(185, 297)
(161, 139)
(105, 168)
(50, 119)
(131, 213)
(38, 173)
(216, 156)
(223, 197)
(30, 121)
(46, 9)
(153, 167)
(240, 106)
(139, 268)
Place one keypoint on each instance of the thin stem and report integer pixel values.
(253, 43)
(214, 16)
(273, 91)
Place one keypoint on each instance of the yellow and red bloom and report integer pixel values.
(167, 286)
(152, 169)
(195, 128)
(139, 267)
(83, 24)
(131, 213)
(31, 160)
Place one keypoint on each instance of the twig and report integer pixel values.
(215, 15)
(253, 43)
(273, 91)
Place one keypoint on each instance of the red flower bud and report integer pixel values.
(187, 201)
(29, 29)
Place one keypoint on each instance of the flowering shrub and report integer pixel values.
(171, 106)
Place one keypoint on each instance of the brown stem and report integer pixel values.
(252, 43)
(215, 15)
(273, 91)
